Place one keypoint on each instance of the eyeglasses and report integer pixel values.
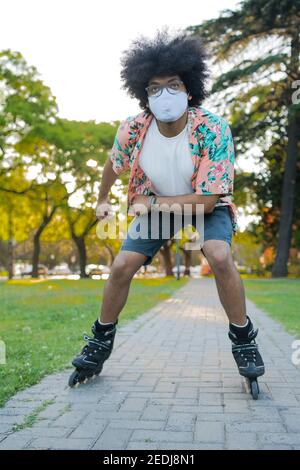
(156, 90)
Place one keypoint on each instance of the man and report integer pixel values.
(176, 152)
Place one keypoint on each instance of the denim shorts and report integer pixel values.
(217, 226)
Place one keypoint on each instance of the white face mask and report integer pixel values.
(168, 107)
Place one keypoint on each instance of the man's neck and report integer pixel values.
(170, 129)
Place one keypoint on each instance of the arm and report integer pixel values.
(108, 178)
(116, 163)
(167, 203)
(209, 201)
(103, 208)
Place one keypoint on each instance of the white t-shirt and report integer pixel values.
(167, 161)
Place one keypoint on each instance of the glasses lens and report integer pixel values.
(174, 88)
(154, 90)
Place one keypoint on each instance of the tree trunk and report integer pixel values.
(10, 261)
(280, 268)
(79, 241)
(166, 254)
(187, 261)
(36, 243)
(80, 244)
(3, 254)
(36, 254)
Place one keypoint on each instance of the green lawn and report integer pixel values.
(279, 298)
(42, 323)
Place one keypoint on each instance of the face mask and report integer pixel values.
(167, 107)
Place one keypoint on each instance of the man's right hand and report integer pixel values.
(103, 209)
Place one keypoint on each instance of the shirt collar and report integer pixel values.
(196, 116)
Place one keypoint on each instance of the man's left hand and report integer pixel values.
(141, 203)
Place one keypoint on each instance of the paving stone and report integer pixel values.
(162, 436)
(209, 432)
(255, 427)
(89, 430)
(112, 439)
(246, 441)
(61, 444)
(292, 422)
(279, 438)
(15, 442)
(133, 404)
(71, 418)
(139, 445)
(155, 412)
(181, 422)
(134, 424)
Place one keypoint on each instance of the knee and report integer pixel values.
(220, 260)
(120, 269)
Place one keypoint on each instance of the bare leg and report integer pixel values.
(116, 289)
(228, 281)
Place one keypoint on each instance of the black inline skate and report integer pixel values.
(89, 362)
(246, 354)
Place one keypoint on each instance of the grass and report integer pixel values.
(280, 298)
(32, 418)
(42, 322)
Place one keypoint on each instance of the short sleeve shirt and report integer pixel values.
(212, 149)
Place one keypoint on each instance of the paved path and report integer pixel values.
(170, 383)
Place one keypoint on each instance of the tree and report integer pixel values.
(81, 222)
(85, 148)
(165, 252)
(261, 39)
(25, 102)
(247, 251)
(69, 155)
(17, 217)
(45, 199)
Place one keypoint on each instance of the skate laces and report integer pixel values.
(247, 348)
(247, 352)
(95, 344)
(249, 339)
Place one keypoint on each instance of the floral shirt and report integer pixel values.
(212, 152)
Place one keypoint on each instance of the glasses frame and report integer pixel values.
(161, 89)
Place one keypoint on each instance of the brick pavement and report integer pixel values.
(170, 383)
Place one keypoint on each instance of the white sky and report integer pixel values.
(76, 45)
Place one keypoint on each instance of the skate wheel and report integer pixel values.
(98, 372)
(254, 389)
(89, 376)
(78, 377)
(74, 379)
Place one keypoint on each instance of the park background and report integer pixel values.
(61, 102)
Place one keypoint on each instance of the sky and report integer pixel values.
(76, 45)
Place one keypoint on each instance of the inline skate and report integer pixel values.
(247, 357)
(89, 362)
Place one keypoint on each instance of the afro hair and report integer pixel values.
(165, 55)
